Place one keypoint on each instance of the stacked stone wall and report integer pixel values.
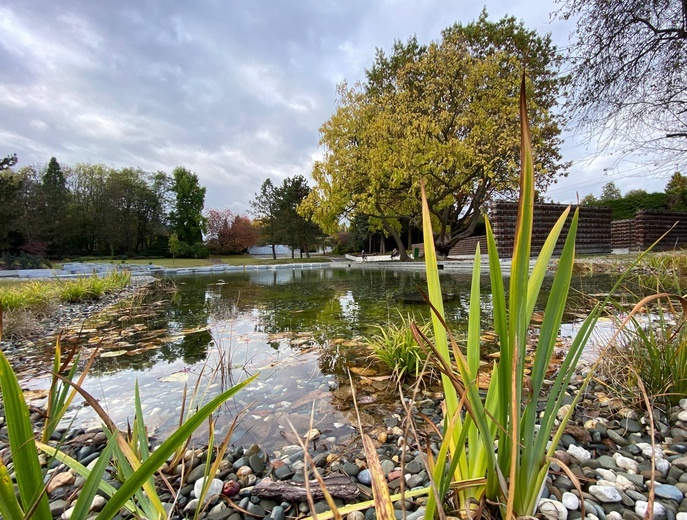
(593, 233)
(623, 234)
(468, 246)
(651, 224)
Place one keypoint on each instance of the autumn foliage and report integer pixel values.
(229, 233)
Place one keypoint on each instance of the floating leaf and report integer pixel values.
(175, 377)
(364, 371)
(195, 330)
(32, 395)
(113, 353)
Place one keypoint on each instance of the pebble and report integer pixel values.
(605, 493)
(570, 501)
(669, 492)
(365, 477)
(623, 483)
(579, 453)
(617, 438)
(606, 474)
(552, 509)
(214, 488)
(641, 508)
(626, 463)
(351, 469)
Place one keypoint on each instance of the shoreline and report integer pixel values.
(606, 446)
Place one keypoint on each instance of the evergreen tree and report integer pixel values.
(54, 208)
(265, 209)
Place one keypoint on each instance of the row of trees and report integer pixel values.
(92, 209)
(674, 198)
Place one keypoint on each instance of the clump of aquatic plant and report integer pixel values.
(512, 476)
(93, 287)
(396, 347)
(653, 349)
(666, 269)
(39, 293)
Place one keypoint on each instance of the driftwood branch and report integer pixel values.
(338, 486)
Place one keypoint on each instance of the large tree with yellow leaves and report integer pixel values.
(446, 113)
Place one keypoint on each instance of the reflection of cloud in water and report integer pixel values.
(602, 335)
(349, 307)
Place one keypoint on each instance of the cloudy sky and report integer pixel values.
(235, 91)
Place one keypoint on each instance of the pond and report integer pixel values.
(300, 329)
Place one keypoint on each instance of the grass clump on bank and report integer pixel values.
(396, 347)
(40, 294)
(652, 349)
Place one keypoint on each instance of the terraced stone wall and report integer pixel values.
(623, 234)
(651, 224)
(593, 233)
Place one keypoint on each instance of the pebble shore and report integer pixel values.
(610, 454)
(607, 446)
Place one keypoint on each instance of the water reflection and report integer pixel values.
(300, 329)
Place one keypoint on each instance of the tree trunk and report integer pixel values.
(274, 252)
(403, 254)
(410, 236)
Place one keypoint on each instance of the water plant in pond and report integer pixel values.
(396, 347)
(514, 474)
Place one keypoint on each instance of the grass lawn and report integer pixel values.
(229, 260)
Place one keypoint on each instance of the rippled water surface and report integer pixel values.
(299, 329)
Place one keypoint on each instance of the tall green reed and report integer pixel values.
(506, 417)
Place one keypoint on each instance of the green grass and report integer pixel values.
(653, 350)
(35, 294)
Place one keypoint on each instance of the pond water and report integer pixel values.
(299, 329)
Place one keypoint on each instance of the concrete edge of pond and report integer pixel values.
(74, 270)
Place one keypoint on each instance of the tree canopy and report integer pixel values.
(629, 85)
(677, 183)
(276, 212)
(187, 217)
(229, 233)
(446, 112)
(610, 191)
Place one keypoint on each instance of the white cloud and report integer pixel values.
(234, 91)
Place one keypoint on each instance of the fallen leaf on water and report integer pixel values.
(32, 395)
(194, 330)
(176, 377)
(113, 353)
(375, 378)
(172, 339)
(364, 371)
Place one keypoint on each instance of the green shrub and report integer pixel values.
(199, 250)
